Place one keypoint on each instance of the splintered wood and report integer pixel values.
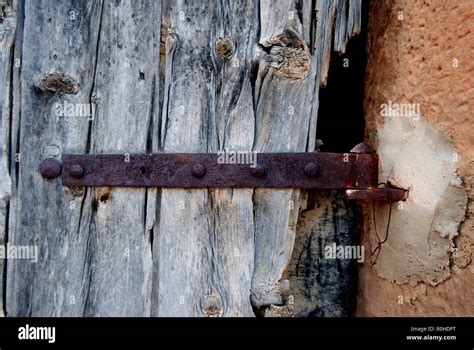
(163, 76)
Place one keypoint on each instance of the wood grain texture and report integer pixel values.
(125, 84)
(7, 34)
(204, 264)
(162, 77)
(44, 214)
(60, 279)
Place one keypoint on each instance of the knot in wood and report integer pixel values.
(290, 63)
(288, 54)
(58, 82)
(211, 306)
(104, 194)
(224, 48)
(7, 21)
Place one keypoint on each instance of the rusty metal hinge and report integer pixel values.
(356, 172)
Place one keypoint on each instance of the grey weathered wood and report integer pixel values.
(7, 34)
(204, 263)
(125, 86)
(326, 11)
(137, 252)
(53, 286)
(280, 130)
(341, 36)
(282, 120)
(354, 17)
(348, 23)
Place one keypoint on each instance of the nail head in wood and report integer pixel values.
(198, 170)
(50, 168)
(258, 171)
(76, 171)
(311, 169)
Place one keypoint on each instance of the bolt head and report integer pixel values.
(258, 171)
(198, 170)
(50, 168)
(311, 169)
(76, 171)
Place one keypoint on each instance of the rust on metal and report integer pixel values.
(389, 194)
(202, 170)
(50, 168)
(311, 169)
(258, 171)
(356, 172)
(76, 171)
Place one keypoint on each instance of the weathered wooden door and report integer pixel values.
(156, 76)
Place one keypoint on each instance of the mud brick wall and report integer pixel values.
(418, 108)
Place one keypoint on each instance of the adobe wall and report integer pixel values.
(419, 101)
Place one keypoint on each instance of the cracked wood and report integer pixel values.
(160, 81)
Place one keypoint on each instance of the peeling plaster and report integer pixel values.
(414, 154)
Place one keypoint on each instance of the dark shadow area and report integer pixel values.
(341, 123)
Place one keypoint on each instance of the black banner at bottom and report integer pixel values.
(452, 333)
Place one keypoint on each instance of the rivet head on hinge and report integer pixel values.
(50, 168)
(76, 171)
(198, 170)
(311, 169)
(258, 171)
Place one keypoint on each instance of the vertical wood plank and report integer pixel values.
(207, 107)
(95, 251)
(126, 85)
(7, 34)
(234, 230)
(44, 214)
(181, 248)
(285, 121)
(282, 122)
